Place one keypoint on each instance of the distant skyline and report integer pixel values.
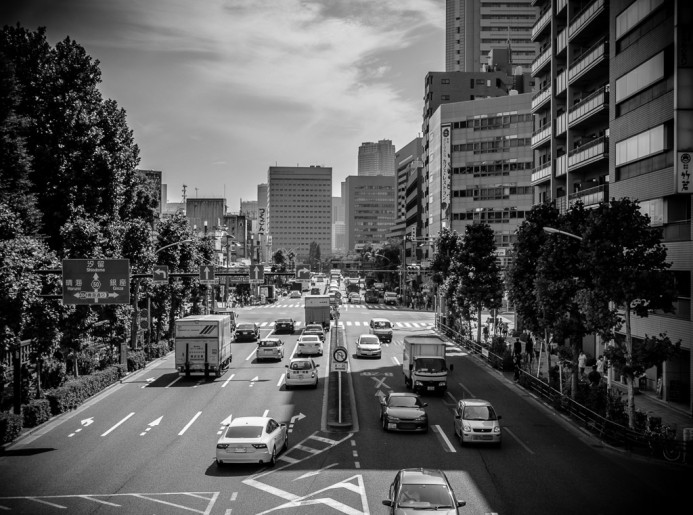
(218, 91)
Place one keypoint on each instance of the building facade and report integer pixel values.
(613, 119)
(370, 209)
(474, 27)
(299, 210)
(338, 226)
(376, 158)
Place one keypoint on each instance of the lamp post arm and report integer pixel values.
(553, 230)
(172, 245)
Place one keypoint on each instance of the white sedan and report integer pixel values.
(301, 372)
(368, 345)
(252, 440)
(309, 344)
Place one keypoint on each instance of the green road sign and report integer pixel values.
(257, 273)
(96, 281)
(207, 275)
(160, 274)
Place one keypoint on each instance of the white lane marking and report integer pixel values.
(265, 413)
(251, 354)
(252, 381)
(190, 423)
(396, 361)
(281, 380)
(90, 498)
(169, 385)
(227, 381)
(517, 439)
(471, 395)
(451, 448)
(233, 496)
(114, 427)
(316, 472)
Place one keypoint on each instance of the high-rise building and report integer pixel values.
(370, 206)
(612, 120)
(377, 158)
(338, 226)
(474, 27)
(299, 210)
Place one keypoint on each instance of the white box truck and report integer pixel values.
(424, 365)
(318, 310)
(203, 344)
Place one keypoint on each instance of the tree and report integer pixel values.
(628, 261)
(448, 246)
(314, 256)
(480, 284)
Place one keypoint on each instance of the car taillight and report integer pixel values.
(260, 445)
(222, 446)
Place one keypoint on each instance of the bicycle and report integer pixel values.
(662, 440)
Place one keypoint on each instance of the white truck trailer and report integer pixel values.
(424, 365)
(318, 310)
(203, 344)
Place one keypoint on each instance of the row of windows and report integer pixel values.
(646, 96)
(492, 146)
(497, 193)
(493, 122)
(491, 217)
(639, 146)
(491, 169)
(639, 78)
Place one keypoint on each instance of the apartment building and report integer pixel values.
(612, 120)
(299, 210)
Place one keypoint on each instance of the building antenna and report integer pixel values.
(185, 187)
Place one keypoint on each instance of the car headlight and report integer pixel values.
(442, 383)
(393, 419)
(418, 383)
(466, 428)
(420, 419)
(497, 429)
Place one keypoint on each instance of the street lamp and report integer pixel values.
(553, 230)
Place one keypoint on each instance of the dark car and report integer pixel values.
(316, 329)
(285, 324)
(403, 412)
(422, 491)
(247, 331)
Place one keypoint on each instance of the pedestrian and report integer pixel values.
(594, 377)
(517, 347)
(517, 363)
(582, 358)
(600, 364)
(529, 348)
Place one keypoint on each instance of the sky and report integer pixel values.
(217, 91)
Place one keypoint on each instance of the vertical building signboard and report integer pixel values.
(445, 176)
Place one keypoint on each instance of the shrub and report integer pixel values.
(10, 426)
(36, 412)
(158, 350)
(76, 391)
(136, 360)
(53, 373)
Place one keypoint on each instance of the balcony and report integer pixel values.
(590, 196)
(561, 124)
(541, 136)
(591, 152)
(561, 165)
(541, 98)
(544, 59)
(592, 105)
(584, 18)
(561, 82)
(592, 62)
(541, 173)
(562, 41)
(542, 23)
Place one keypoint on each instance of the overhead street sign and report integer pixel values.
(257, 273)
(96, 281)
(207, 275)
(303, 273)
(160, 274)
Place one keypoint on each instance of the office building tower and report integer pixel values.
(370, 206)
(474, 27)
(377, 158)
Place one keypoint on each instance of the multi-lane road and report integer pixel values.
(147, 445)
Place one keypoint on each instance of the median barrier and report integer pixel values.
(334, 392)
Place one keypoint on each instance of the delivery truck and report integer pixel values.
(318, 310)
(203, 344)
(424, 365)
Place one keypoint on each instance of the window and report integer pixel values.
(639, 78)
(652, 141)
(634, 14)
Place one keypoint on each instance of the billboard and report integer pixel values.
(445, 169)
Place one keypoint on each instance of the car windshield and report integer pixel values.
(314, 328)
(424, 496)
(244, 432)
(310, 338)
(370, 340)
(268, 343)
(405, 402)
(479, 413)
(381, 325)
(301, 365)
(245, 327)
(430, 365)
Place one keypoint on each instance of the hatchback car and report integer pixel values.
(309, 344)
(403, 412)
(301, 372)
(477, 422)
(354, 298)
(247, 331)
(422, 491)
(390, 297)
(285, 324)
(270, 348)
(315, 329)
(368, 345)
(252, 440)
(295, 294)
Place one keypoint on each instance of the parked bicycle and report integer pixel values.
(662, 441)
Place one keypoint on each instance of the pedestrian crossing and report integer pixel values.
(343, 324)
(343, 307)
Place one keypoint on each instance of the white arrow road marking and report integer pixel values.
(227, 381)
(300, 416)
(86, 422)
(190, 423)
(224, 423)
(149, 380)
(316, 472)
(114, 427)
(252, 381)
(152, 424)
(380, 394)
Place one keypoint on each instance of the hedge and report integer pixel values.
(10, 426)
(74, 392)
(36, 412)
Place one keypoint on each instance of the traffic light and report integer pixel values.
(144, 319)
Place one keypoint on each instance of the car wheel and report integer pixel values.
(316, 384)
(426, 429)
(288, 387)
(273, 458)
(220, 463)
(384, 424)
(460, 438)
(286, 443)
